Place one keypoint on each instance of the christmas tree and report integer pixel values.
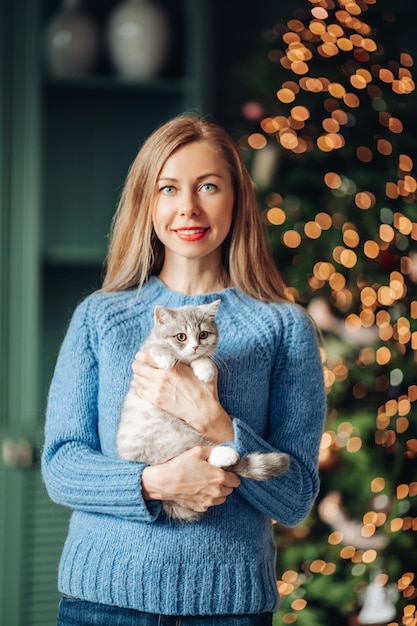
(328, 133)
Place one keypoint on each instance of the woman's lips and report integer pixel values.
(191, 234)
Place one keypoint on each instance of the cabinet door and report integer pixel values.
(32, 531)
(55, 212)
(31, 527)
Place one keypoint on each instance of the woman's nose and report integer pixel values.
(188, 206)
(188, 211)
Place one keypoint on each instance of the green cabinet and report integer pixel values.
(65, 147)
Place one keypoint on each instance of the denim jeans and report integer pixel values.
(74, 612)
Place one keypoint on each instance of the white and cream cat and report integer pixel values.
(187, 334)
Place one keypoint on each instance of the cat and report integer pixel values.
(188, 334)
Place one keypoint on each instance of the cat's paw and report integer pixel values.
(203, 369)
(164, 361)
(223, 456)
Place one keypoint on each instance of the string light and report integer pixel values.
(377, 313)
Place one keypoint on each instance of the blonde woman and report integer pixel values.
(187, 231)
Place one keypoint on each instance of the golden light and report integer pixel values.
(369, 556)
(317, 27)
(386, 233)
(384, 147)
(403, 224)
(257, 141)
(312, 230)
(290, 576)
(351, 238)
(354, 445)
(386, 75)
(286, 95)
(365, 200)
(288, 139)
(335, 538)
(299, 604)
(291, 239)
(300, 113)
(348, 258)
(368, 296)
(358, 82)
(323, 270)
(337, 90)
(332, 180)
(371, 249)
(319, 13)
(395, 125)
(396, 524)
(377, 485)
(323, 220)
(383, 355)
(347, 552)
(276, 216)
(351, 100)
(284, 589)
(402, 492)
(299, 67)
(381, 580)
(268, 125)
(405, 163)
(345, 44)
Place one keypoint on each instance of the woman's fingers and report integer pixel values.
(190, 480)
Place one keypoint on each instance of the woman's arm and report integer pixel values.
(75, 471)
(180, 393)
(297, 409)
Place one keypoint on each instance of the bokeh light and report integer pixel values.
(339, 96)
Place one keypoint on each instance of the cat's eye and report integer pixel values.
(181, 337)
(203, 334)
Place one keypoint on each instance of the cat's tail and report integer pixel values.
(259, 466)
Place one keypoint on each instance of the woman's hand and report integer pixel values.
(179, 392)
(189, 480)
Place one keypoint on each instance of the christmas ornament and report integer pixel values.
(378, 606)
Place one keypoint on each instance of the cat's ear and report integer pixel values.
(211, 309)
(162, 315)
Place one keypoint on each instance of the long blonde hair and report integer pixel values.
(135, 253)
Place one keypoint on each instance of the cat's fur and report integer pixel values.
(146, 433)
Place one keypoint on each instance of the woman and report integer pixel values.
(187, 231)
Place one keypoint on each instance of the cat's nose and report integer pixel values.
(195, 348)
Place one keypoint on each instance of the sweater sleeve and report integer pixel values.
(75, 472)
(297, 410)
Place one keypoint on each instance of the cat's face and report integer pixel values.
(189, 331)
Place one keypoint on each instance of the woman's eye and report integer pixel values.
(207, 187)
(181, 337)
(168, 190)
(203, 334)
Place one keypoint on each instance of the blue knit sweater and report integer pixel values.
(120, 549)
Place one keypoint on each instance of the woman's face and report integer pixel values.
(194, 203)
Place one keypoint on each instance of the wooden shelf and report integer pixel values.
(75, 256)
(113, 82)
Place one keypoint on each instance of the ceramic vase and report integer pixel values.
(138, 38)
(72, 41)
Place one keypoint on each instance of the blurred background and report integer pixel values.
(320, 96)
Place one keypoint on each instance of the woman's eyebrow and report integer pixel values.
(201, 177)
